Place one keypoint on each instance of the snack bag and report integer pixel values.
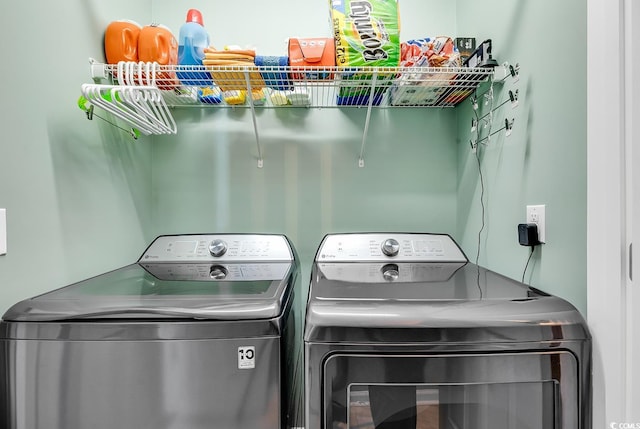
(430, 52)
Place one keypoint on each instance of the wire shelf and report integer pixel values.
(325, 87)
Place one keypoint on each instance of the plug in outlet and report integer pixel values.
(536, 214)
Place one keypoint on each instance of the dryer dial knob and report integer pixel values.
(391, 272)
(217, 248)
(390, 247)
(218, 272)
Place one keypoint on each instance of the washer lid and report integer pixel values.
(208, 291)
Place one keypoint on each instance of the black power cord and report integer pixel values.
(533, 249)
(482, 188)
(528, 236)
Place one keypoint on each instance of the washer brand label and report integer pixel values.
(246, 357)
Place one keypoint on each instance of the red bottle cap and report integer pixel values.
(194, 15)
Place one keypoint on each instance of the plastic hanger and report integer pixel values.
(96, 95)
(132, 98)
(136, 99)
(157, 100)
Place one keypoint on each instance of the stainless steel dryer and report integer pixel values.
(403, 332)
(194, 335)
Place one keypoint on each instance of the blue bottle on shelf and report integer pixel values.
(192, 41)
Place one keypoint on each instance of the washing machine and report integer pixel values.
(196, 334)
(403, 332)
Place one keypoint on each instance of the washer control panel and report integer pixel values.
(219, 248)
(399, 247)
(220, 272)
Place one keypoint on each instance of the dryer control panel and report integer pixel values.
(399, 247)
(219, 248)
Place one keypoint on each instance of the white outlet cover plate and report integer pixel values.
(3, 231)
(537, 214)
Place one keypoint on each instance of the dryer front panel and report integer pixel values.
(481, 391)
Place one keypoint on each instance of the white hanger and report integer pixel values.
(157, 100)
(133, 99)
(136, 99)
(94, 93)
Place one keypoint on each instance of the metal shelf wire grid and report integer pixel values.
(326, 87)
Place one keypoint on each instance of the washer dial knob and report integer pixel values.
(390, 247)
(218, 272)
(217, 248)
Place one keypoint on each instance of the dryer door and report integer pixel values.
(479, 391)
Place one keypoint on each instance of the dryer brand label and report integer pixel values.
(246, 357)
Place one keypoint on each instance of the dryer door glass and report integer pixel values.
(491, 405)
(479, 391)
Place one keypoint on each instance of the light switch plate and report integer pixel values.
(3, 231)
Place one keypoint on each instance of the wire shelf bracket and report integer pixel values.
(247, 78)
(374, 78)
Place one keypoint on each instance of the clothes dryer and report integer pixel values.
(403, 332)
(196, 334)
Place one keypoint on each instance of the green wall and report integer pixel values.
(82, 197)
(77, 192)
(544, 160)
(207, 179)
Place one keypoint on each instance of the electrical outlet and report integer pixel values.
(536, 214)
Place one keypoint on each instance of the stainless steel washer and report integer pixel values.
(403, 332)
(194, 335)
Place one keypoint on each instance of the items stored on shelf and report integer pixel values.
(193, 39)
(362, 64)
(311, 52)
(430, 52)
(279, 79)
(121, 41)
(391, 86)
(366, 33)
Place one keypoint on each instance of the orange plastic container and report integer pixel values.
(121, 41)
(157, 44)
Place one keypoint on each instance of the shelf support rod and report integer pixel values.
(247, 79)
(366, 123)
